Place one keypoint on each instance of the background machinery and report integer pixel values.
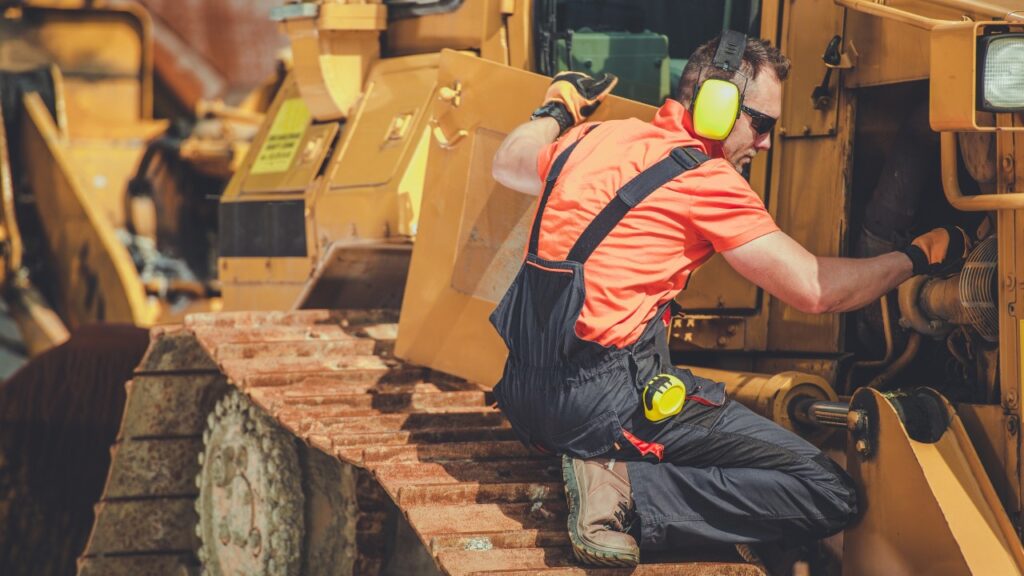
(118, 136)
(326, 445)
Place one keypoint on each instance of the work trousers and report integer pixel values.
(727, 475)
(731, 476)
(714, 473)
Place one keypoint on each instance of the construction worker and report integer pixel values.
(627, 210)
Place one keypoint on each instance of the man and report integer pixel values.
(627, 211)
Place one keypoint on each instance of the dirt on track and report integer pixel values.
(59, 415)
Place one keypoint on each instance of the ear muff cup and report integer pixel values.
(715, 108)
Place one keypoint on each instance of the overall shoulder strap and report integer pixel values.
(549, 185)
(641, 186)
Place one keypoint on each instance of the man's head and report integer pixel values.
(762, 70)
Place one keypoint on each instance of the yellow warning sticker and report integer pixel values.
(283, 139)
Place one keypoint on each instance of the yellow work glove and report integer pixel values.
(939, 251)
(573, 96)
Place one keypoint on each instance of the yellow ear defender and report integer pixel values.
(714, 109)
(716, 103)
(663, 397)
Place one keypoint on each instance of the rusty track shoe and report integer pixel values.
(600, 511)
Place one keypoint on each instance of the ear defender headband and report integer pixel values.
(716, 103)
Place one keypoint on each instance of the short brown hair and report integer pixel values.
(758, 56)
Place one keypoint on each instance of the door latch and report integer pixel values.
(833, 58)
(451, 94)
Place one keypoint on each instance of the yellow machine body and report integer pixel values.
(80, 160)
(347, 187)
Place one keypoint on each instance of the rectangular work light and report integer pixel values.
(977, 68)
(1001, 73)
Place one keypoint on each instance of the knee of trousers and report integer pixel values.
(843, 494)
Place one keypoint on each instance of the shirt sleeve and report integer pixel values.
(725, 210)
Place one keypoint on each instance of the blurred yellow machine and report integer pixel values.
(108, 213)
(330, 443)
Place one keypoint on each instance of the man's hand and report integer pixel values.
(572, 97)
(939, 251)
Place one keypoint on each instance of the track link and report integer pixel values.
(479, 502)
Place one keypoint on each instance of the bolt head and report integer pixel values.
(242, 458)
(218, 473)
(855, 420)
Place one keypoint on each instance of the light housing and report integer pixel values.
(958, 54)
(1000, 84)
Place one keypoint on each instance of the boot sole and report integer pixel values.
(583, 551)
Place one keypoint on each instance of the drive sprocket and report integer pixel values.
(250, 502)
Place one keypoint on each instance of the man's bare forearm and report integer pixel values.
(852, 283)
(816, 284)
(515, 162)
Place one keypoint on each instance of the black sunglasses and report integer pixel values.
(760, 122)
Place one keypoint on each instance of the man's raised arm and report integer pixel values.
(515, 163)
(570, 99)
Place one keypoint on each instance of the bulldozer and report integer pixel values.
(335, 418)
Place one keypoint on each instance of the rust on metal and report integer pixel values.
(432, 444)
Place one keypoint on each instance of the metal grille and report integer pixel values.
(979, 290)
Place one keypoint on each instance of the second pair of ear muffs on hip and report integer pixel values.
(716, 102)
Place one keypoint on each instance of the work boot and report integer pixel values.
(600, 511)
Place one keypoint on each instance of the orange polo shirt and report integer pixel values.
(647, 259)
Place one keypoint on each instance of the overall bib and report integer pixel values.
(565, 395)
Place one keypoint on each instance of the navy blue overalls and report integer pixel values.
(716, 471)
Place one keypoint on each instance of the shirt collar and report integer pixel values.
(674, 117)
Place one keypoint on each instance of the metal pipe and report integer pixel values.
(772, 395)
(887, 330)
(940, 299)
(819, 413)
(882, 381)
(982, 8)
(895, 14)
(913, 315)
(890, 348)
(951, 184)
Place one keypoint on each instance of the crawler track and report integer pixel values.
(432, 444)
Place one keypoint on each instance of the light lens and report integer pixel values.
(1003, 80)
